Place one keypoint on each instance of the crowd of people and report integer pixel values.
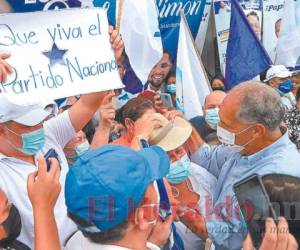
(130, 173)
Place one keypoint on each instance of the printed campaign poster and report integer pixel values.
(200, 38)
(222, 10)
(196, 12)
(272, 12)
(57, 54)
(37, 5)
(169, 20)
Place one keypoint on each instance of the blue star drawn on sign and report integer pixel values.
(55, 55)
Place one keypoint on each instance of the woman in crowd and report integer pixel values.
(189, 181)
(292, 121)
(138, 121)
(10, 225)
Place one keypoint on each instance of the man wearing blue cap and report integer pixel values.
(26, 133)
(111, 194)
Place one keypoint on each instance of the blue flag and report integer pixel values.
(245, 56)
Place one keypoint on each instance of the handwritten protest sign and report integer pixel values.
(56, 54)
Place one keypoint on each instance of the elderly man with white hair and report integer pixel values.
(253, 142)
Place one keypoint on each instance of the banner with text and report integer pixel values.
(20, 6)
(272, 22)
(55, 54)
(222, 10)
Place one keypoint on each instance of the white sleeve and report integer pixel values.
(60, 128)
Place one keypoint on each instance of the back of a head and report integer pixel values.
(259, 103)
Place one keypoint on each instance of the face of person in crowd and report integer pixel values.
(176, 154)
(296, 82)
(275, 82)
(147, 219)
(76, 147)
(146, 215)
(171, 87)
(217, 84)
(22, 140)
(211, 108)
(160, 71)
(277, 28)
(10, 221)
(129, 124)
(4, 212)
(246, 136)
(254, 22)
(214, 100)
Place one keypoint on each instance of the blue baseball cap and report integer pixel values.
(104, 185)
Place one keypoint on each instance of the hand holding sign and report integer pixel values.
(5, 68)
(63, 56)
(116, 42)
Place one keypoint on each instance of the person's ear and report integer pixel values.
(2, 130)
(128, 123)
(141, 221)
(259, 130)
(272, 83)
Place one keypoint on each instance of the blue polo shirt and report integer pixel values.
(225, 228)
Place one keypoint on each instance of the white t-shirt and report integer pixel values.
(79, 242)
(14, 174)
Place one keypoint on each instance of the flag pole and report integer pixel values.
(120, 13)
(195, 48)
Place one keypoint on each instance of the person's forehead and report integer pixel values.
(165, 58)
(228, 109)
(279, 79)
(17, 127)
(217, 80)
(180, 149)
(277, 24)
(214, 99)
(253, 18)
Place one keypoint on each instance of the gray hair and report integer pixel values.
(259, 103)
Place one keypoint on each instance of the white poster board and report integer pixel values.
(222, 10)
(58, 53)
(272, 14)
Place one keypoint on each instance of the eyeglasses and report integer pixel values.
(176, 192)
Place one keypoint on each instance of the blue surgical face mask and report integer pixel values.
(179, 170)
(32, 142)
(82, 148)
(171, 88)
(285, 87)
(212, 117)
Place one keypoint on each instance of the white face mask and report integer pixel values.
(228, 139)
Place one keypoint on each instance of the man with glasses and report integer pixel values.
(159, 74)
(116, 206)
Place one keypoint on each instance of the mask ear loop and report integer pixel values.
(9, 142)
(153, 222)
